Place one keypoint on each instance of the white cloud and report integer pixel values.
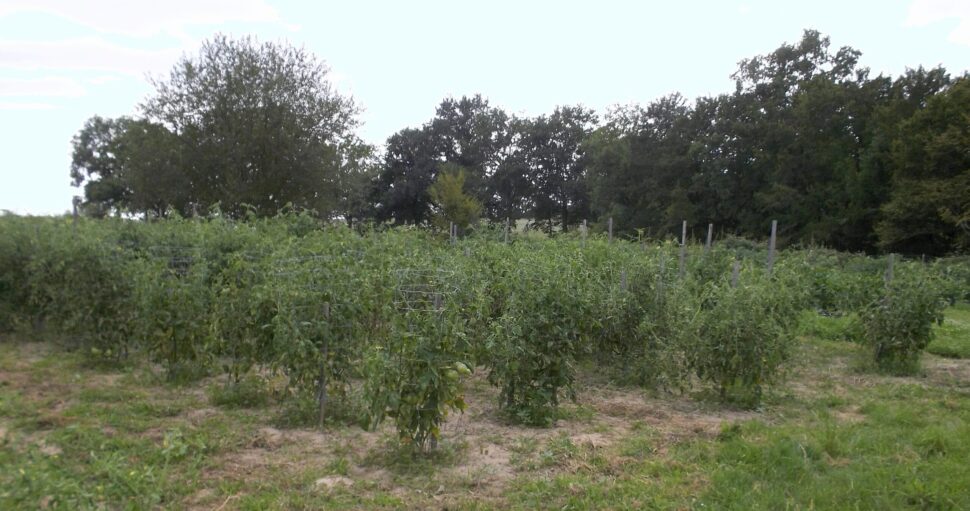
(927, 12)
(52, 86)
(26, 106)
(85, 54)
(145, 19)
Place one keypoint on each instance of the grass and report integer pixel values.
(831, 328)
(76, 436)
(952, 338)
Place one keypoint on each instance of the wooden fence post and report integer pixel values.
(585, 231)
(660, 277)
(771, 245)
(683, 249)
(710, 238)
(888, 277)
(324, 352)
(611, 229)
(74, 202)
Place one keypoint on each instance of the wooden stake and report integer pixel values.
(322, 397)
(611, 229)
(771, 245)
(660, 277)
(74, 202)
(710, 238)
(683, 249)
(888, 277)
(585, 231)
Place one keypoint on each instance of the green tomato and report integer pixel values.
(462, 369)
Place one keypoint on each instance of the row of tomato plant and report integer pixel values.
(406, 317)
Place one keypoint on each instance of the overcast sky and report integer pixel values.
(62, 61)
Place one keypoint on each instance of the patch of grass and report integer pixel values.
(249, 392)
(845, 328)
(185, 373)
(303, 410)
(84, 467)
(952, 338)
(339, 466)
(109, 395)
(402, 458)
(576, 412)
(73, 437)
(557, 451)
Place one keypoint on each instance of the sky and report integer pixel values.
(63, 61)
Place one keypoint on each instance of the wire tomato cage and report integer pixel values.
(302, 288)
(179, 260)
(423, 290)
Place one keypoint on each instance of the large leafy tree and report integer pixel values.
(410, 165)
(259, 125)
(128, 166)
(555, 161)
(467, 132)
(929, 211)
(95, 164)
(641, 167)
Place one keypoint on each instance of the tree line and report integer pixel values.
(807, 137)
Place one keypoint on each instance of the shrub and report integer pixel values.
(17, 247)
(533, 345)
(737, 341)
(415, 376)
(79, 286)
(172, 320)
(899, 325)
(242, 313)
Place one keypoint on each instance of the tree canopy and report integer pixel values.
(807, 136)
(246, 125)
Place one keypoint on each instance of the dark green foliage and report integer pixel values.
(172, 321)
(242, 311)
(191, 151)
(334, 311)
(17, 246)
(807, 137)
(738, 338)
(78, 287)
(415, 376)
(248, 392)
(899, 325)
(930, 210)
(534, 343)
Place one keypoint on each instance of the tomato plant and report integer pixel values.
(898, 326)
